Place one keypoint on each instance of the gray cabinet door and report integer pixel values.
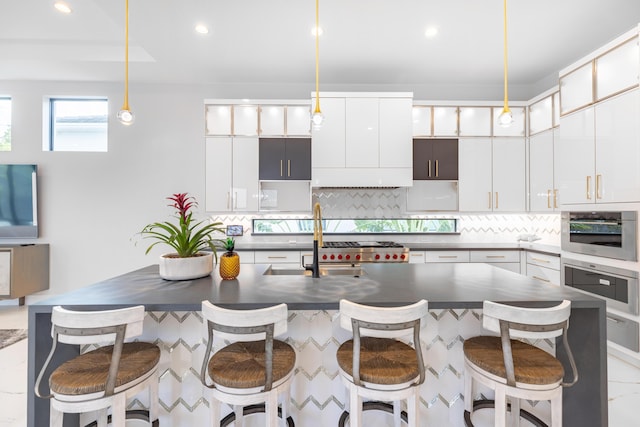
(435, 159)
(285, 158)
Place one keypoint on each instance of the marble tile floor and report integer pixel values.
(624, 380)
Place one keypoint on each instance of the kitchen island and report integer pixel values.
(455, 293)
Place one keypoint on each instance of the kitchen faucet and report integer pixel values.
(317, 240)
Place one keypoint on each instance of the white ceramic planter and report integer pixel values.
(186, 268)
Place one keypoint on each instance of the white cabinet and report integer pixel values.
(543, 195)
(421, 120)
(231, 174)
(543, 267)
(599, 152)
(447, 256)
(365, 141)
(416, 257)
(541, 115)
(272, 120)
(298, 120)
(492, 176)
(617, 70)
(245, 120)
(432, 196)
(280, 259)
(505, 259)
(218, 120)
(475, 121)
(445, 121)
(576, 88)
(328, 145)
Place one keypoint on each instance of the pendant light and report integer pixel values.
(317, 118)
(125, 115)
(506, 117)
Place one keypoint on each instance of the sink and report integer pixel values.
(324, 271)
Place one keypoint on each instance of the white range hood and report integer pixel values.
(365, 140)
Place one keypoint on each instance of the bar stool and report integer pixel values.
(516, 370)
(376, 365)
(255, 370)
(104, 377)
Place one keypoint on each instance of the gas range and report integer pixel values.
(359, 252)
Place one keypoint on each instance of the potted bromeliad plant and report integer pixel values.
(194, 242)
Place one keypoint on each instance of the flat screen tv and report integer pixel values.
(18, 201)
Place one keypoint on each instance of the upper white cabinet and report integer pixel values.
(233, 118)
(576, 89)
(422, 120)
(599, 152)
(445, 121)
(517, 128)
(543, 195)
(365, 140)
(608, 71)
(475, 121)
(231, 173)
(492, 176)
(542, 114)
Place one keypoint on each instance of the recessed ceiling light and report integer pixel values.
(431, 32)
(319, 31)
(62, 7)
(202, 29)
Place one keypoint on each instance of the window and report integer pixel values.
(5, 124)
(77, 124)
(354, 226)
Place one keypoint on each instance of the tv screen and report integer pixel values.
(18, 201)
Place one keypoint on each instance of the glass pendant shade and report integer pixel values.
(125, 116)
(505, 119)
(317, 119)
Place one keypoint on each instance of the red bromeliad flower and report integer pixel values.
(182, 203)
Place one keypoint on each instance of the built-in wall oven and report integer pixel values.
(618, 287)
(605, 234)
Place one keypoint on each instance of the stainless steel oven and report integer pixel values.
(606, 234)
(619, 287)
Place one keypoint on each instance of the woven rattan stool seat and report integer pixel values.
(382, 360)
(242, 364)
(532, 365)
(88, 372)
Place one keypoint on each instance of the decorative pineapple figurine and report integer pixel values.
(229, 261)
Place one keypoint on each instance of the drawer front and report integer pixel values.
(446, 256)
(416, 257)
(544, 260)
(246, 257)
(543, 274)
(623, 332)
(495, 256)
(277, 257)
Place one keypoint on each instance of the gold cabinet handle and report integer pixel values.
(549, 199)
(448, 256)
(489, 199)
(540, 260)
(496, 200)
(555, 198)
(280, 167)
(429, 169)
(288, 167)
(235, 200)
(228, 200)
(589, 187)
(437, 172)
(598, 182)
(495, 256)
(541, 279)
(276, 257)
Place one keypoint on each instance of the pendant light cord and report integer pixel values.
(317, 110)
(506, 70)
(126, 57)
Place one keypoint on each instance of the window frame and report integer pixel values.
(51, 105)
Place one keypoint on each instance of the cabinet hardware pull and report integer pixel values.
(489, 200)
(228, 197)
(418, 254)
(549, 199)
(495, 256)
(235, 200)
(288, 167)
(541, 279)
(555, 198)
(437, 170)
(496, 200)
(598, 182)
(447, 256)
(276, 257)
(540, 260)
(280, 167)
(589, 187)
(614, 320)
(429, 169)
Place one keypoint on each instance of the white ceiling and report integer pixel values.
(370, 42)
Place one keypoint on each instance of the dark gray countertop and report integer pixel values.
(416, 246)
(463, 285)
